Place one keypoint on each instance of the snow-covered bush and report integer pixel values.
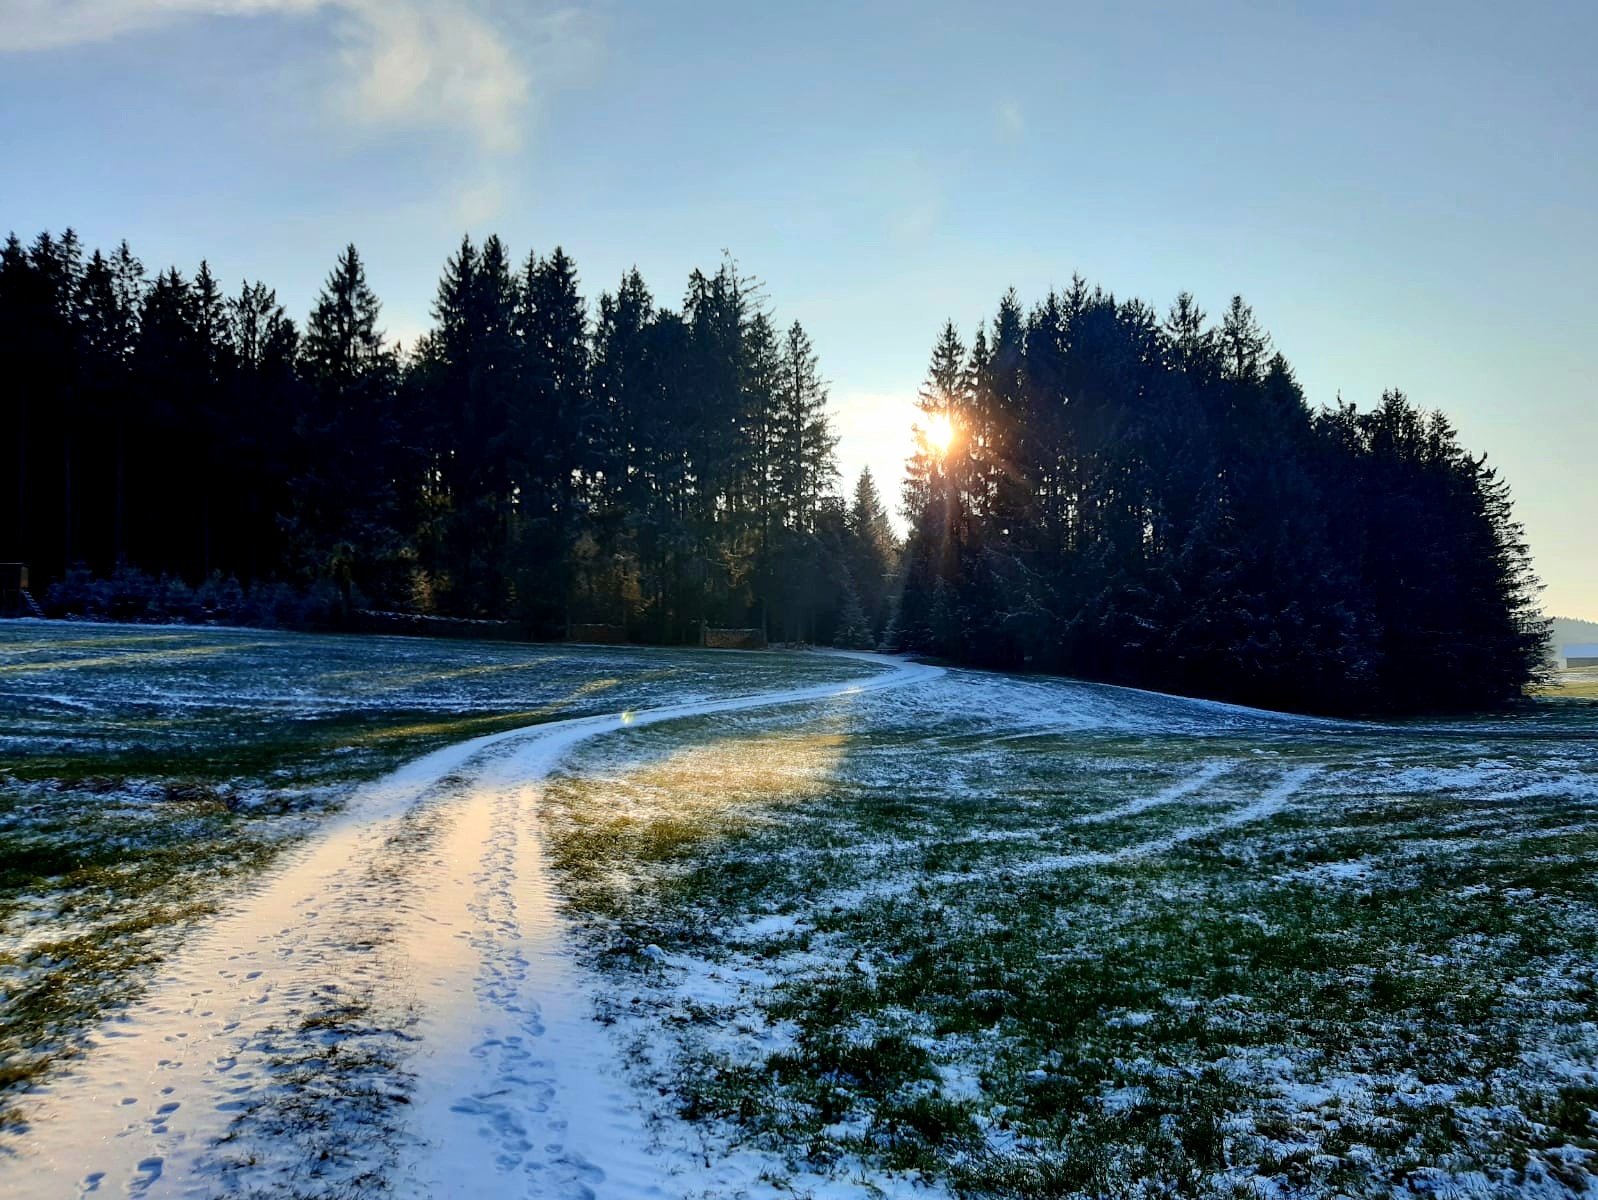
(130, 594)
(222, 599)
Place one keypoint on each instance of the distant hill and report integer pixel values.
(1568, 631)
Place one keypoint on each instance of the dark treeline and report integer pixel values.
(633, 465)
(1153, 502)
(1099, 491)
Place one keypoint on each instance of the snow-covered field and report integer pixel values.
(745, 925)
(1038, 938)
(149, 773)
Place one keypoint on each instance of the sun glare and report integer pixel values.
(940, 433)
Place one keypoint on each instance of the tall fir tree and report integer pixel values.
(346, 510)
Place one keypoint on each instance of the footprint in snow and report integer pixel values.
(149, 1170)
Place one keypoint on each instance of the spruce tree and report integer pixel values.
(873, 553)
(346, 509)
(555, 437)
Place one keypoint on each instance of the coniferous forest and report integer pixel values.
(1097, 490)
(649, 469)
(1152, 502)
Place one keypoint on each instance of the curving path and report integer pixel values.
(412, 954)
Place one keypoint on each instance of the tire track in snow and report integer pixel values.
(1180, 790)
(475, 941)
(1270, 802)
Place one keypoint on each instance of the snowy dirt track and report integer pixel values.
(395, 999)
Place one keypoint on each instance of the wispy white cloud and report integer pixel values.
(463, 64)
(46, 24)
(410, 61)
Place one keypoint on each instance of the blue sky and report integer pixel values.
(1407, 194)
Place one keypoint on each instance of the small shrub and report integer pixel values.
(222, 599)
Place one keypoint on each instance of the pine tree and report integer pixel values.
(768, 428)
(631, 453)
(267, 399)
(805, 462)
(110, 297)
(470, 384)
(853, 628)
(556, 438)
(1244, 345)
(344, 526)
(873, 552)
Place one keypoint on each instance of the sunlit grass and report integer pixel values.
(370, 681)
(123, 661)
(1580, 683)
(605, 828)
(58, 644)
(467, 725)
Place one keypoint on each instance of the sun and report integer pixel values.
(940, 433)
